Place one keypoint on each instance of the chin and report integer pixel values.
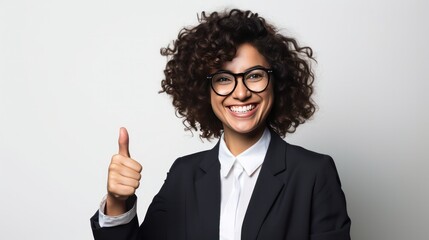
(246, 130)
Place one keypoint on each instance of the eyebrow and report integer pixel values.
(245, 70)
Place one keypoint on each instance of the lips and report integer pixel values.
(241, 109)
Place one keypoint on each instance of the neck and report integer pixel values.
(239, 142)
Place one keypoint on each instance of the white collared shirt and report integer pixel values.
(251, 161)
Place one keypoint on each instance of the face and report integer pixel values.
(243, 112)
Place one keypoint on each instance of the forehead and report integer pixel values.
(247, 56)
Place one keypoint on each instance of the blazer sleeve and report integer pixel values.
(120, 232)
(329, 219)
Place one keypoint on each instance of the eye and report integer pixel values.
(223, 79)
(255, 76)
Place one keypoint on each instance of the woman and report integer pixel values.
(233, 77)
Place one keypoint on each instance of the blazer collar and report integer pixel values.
(268, 186)
(207, 186)
(275, 158)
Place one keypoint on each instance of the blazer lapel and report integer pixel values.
(266, 189)
(207, 185)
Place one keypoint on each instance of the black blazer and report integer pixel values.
(297, 196)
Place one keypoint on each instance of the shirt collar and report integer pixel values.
(251, 159)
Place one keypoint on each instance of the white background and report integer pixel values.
(73, 72)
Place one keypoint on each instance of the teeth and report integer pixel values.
(242, 109)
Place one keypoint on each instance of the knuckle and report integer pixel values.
(139, 167)
(112, 177)
(116, 158)
(113, 166)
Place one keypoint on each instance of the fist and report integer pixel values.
(124, 172)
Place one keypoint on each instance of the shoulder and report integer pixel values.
(196, 162)
(299, 159)
(190, 160)
(297, 155)
(314, 166)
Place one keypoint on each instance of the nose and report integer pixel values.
(241, 92)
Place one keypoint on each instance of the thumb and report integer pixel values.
(123, 142)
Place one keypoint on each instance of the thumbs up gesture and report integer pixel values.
(123, 178)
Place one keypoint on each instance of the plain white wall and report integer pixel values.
(73, 72)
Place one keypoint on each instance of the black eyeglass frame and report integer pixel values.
(235, 75)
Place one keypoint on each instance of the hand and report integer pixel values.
(123, 178)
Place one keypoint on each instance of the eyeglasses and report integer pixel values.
(255, 79)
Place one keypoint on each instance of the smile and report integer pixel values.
(242, 109)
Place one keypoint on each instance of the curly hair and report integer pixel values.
(214, 41)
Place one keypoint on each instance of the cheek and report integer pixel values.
(269, 99)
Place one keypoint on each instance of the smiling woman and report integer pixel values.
(236, 78)
(243, 112)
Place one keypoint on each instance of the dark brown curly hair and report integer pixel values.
(214, 41)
